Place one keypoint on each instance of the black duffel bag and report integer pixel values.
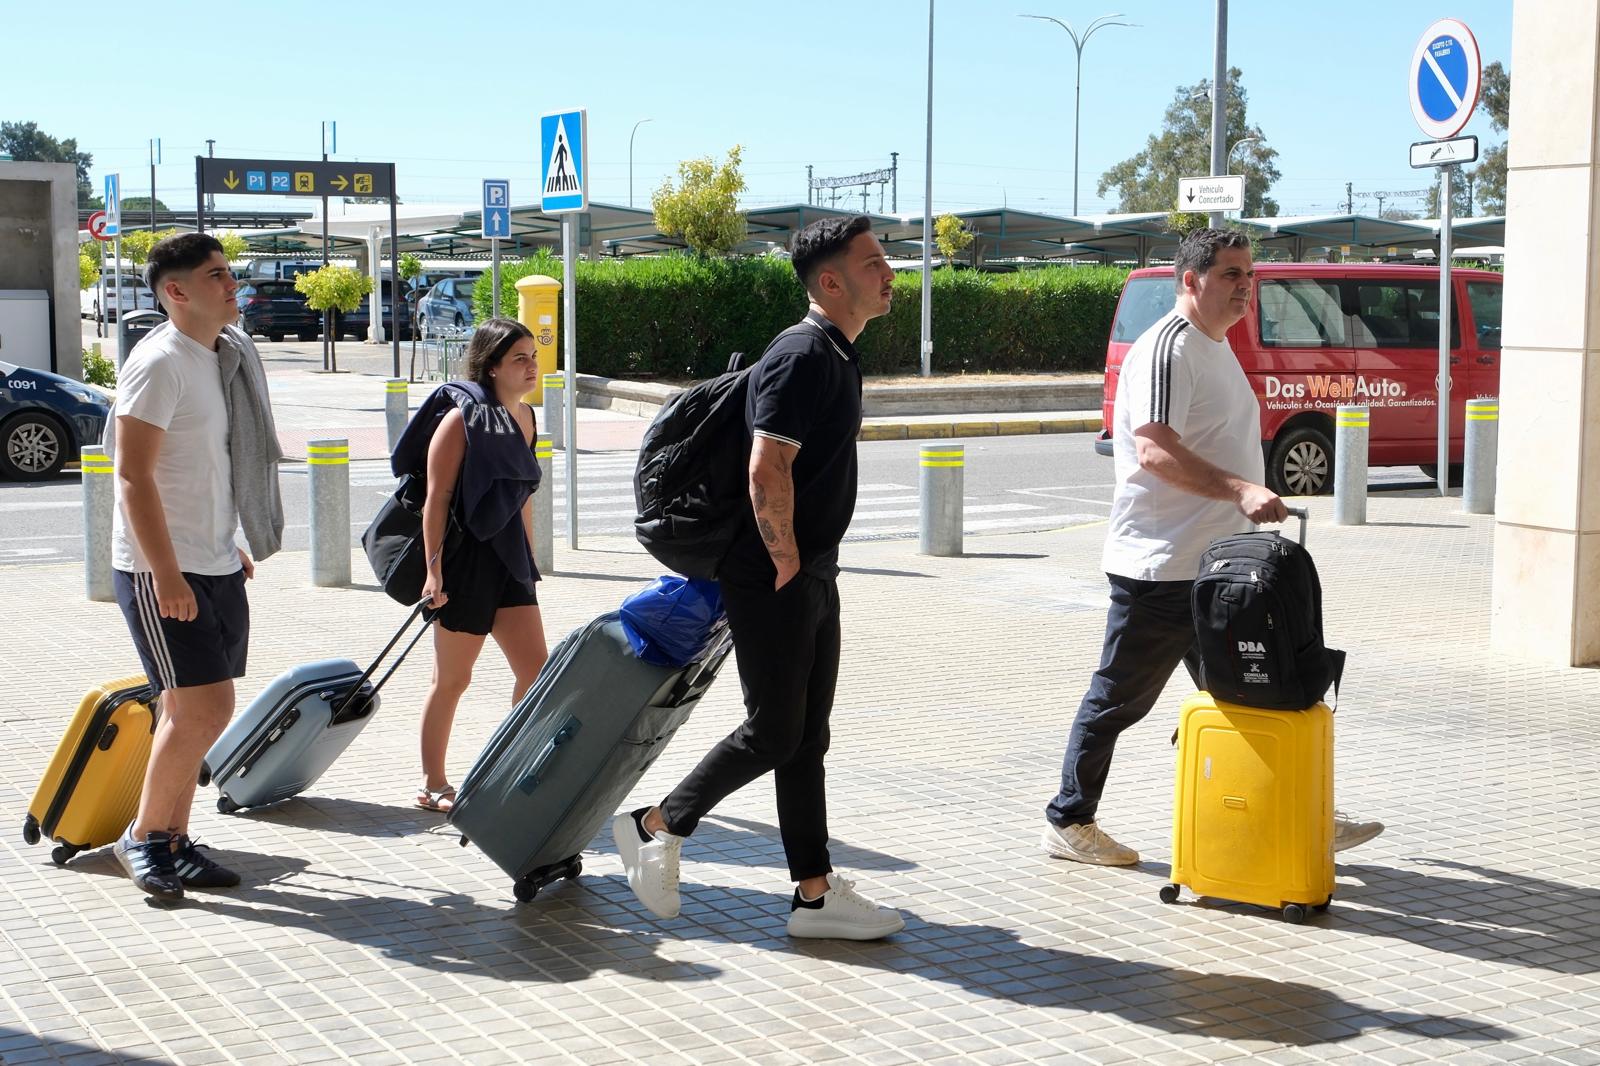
(393, 541)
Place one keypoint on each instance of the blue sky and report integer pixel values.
(451, 93)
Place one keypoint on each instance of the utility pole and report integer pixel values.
(1219, 103)
(1380, 197)
(211, 197)
(1468, 176)
(894, 178)
(155, 157)
(1349, 198)
(810, 192)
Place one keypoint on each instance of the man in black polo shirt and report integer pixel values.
(779, 584)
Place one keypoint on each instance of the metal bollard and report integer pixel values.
(1350, 466)
(544, 520)
(99, 500)
(328, 461)
(555, 387)
(396, 408)
(1483, 445)
(942, 484)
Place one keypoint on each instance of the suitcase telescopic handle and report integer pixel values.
(355, 691)
(1302, 514)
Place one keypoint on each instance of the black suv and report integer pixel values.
(274, 309)
(356, 323)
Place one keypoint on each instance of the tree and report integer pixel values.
(26, 142)
(233, 245)
(1149, 181)
(88, 268)
(951, 236)
(1489, 177)
(136, 244)
(1459, 202)
(704, 208)
(333, 288)
(132, 205)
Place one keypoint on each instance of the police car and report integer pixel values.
(44, 419)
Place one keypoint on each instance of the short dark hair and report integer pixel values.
(490, 343)
(175, 254)
(1198, 251)
(813, 246)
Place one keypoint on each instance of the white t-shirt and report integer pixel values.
(1176, 375)
(172, 382)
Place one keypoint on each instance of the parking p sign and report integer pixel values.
(1445, 74)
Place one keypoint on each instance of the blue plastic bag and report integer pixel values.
(670, 621)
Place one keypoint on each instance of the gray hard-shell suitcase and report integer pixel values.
(298, 725)
(574, 747)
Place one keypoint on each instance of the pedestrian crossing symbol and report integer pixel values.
(563, 174)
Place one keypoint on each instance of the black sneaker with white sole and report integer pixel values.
(199, 870)
(150, 864)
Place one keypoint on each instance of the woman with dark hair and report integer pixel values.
(477, 527)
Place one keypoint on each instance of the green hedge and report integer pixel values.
(679, 316)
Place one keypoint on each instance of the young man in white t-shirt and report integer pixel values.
(1187, 439)
(179, 577)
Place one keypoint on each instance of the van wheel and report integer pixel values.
(1301, 464)
(1431, 472)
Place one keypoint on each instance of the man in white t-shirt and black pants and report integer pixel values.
(1187, 439)
(178, 575)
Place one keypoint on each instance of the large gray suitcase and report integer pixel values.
(573, 748)
(297, 726)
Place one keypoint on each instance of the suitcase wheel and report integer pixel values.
(1169, 893)
(30, 829)
(1294, 913)
(525, 891)
(574, 868)
(226, 805)
(62, 854)
(1322, 907)
(205, 775)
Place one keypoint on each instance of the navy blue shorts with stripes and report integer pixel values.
(208, 649)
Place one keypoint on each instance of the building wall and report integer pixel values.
(39, 247)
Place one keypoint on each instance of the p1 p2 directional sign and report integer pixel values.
(113, 198)
(563, 161)
(1445, 75)
(496, 208)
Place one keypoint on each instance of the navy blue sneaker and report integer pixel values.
(198, 870)
(150, 864)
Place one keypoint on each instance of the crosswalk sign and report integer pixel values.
(563, 162)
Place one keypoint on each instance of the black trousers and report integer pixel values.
(1149, 631)
(787, 646)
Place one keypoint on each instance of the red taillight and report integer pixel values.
(254, 300)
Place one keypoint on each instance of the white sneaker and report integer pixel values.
(842, 914)
(1348, 831)
(652, 865)
(1086, 843)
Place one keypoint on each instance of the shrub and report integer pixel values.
(681, 316)
(98, 369)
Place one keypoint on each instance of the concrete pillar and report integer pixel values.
(376, 333)
(1351, 428)
(544, 520)
(1477, 479)
(942, 484)
(1546, 591)
(98, 502)
(329, 463)
(396, 408)
(555, 388)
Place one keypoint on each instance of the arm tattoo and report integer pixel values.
(760, 496)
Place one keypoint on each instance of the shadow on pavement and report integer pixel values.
(739, 840)
(578, 930)
(334, 814)
(1489, 914)
(875, 572)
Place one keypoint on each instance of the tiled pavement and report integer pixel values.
(1467, 933)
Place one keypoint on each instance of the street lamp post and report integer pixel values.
(1240, 143)
(1077, 99)
(636, 126)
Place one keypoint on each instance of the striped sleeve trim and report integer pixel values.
(1161, 370)
(777, 437)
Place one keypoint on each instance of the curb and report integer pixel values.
(1001, 428)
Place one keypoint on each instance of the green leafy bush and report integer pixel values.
(681, 316)
(99, 370)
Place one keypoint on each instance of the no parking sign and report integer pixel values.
(1445, 74)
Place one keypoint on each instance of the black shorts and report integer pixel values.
(478, 585)
(208, 649)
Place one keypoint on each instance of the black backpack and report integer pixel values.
(692, 485)
(1258, 623)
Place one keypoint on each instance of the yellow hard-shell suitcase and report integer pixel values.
(1253, 805)
(90, 791)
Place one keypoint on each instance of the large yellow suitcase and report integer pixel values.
(90, 791)
(1253, 805)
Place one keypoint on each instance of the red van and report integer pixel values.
(1319, 335)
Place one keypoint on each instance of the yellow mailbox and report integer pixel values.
(538, 299)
